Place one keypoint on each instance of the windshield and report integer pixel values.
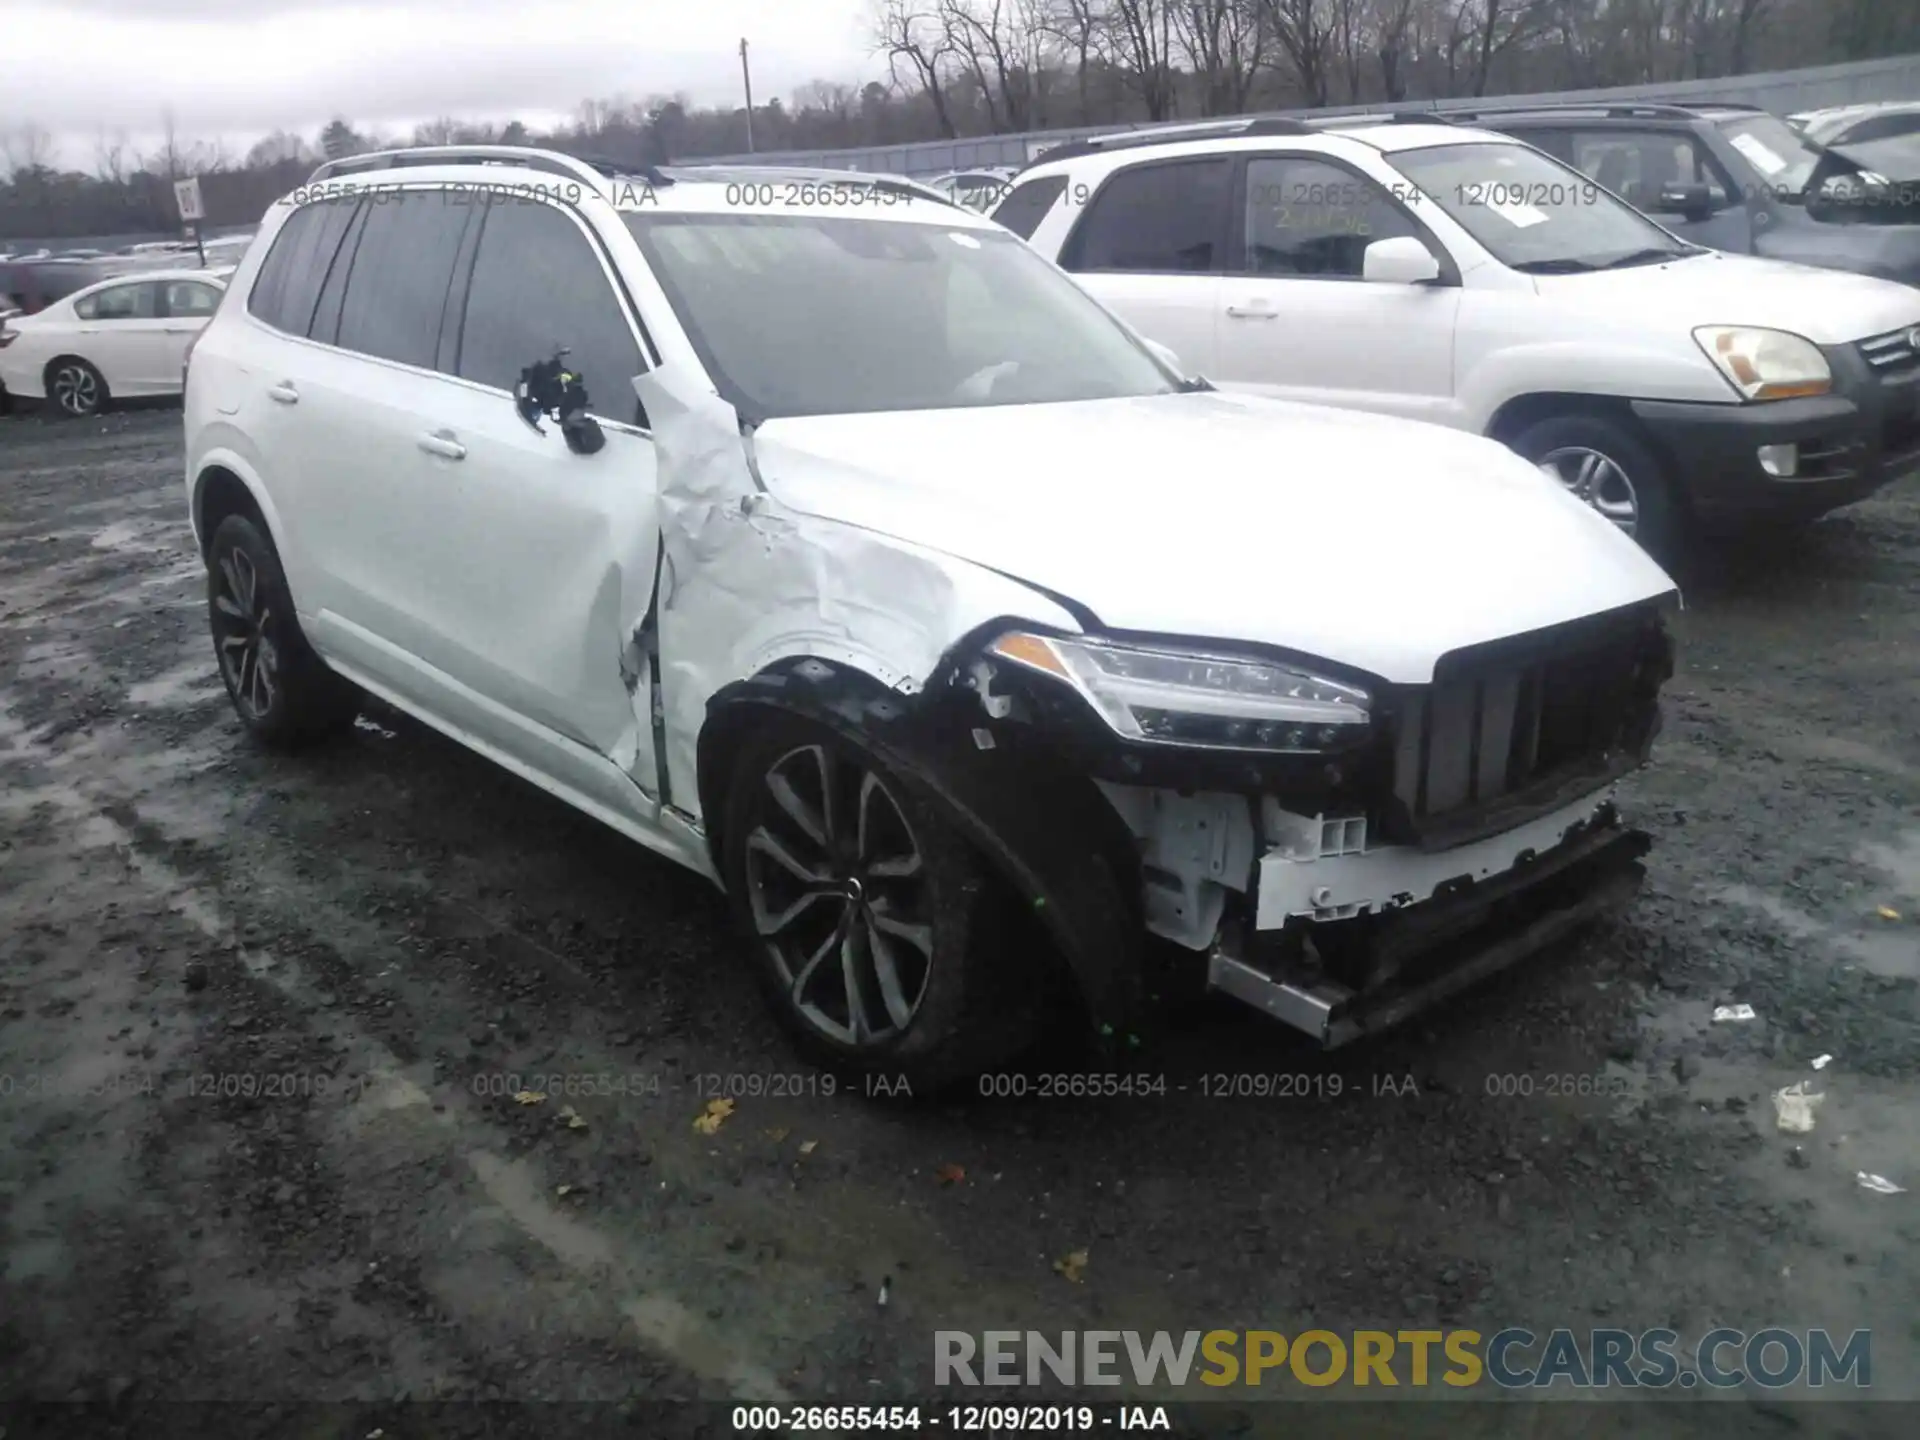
(1531, 212)
(1784, 160)
(833, 315)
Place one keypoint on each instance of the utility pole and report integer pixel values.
(746, 79)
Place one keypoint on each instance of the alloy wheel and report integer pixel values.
(75, 390)
(838, 890)
(241, 616)
(1597, 479)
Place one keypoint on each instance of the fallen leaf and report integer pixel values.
(778, 1135)
(1071, 1266)
(1887, 912)
(531, 1097)
(950, 1174)
(807, 1146)
(563, 1189)
(572, 1118)
(709, 1120)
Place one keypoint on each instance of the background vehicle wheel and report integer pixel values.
(75, 388)
(883, 943)
(282, 691)
(1605, 464)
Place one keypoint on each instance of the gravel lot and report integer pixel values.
(384, 933)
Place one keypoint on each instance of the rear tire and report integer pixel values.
(1604, 463)
(75, 389)
(282, 691)
(882, 942)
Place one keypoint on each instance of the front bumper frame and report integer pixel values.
(1481, 918)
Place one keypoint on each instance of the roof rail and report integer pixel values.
(1379, 117)
(1248, 126)
(1639, 111)
(591, 170)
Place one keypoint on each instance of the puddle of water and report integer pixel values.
(118, 536)
(1900, 862)
(181, 687)
(1893, 952)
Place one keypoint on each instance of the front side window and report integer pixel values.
(1155, 219)
(1641, 165)
(835, 315)
(1532, 213)
(538, 286)
(1314, 220)
(119, 302)
(400, 272)
(192, 299)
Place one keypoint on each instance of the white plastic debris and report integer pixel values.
(1879, 1184)
(1733, 1012)
(1820, 1062)
(1793, 1108)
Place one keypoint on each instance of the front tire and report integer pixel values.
(76, 389)
(1605, 464)
(880, 939)
(282, 691)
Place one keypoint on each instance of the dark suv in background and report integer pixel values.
(1734, 177)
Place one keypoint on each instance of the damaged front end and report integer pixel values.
(1341, 851)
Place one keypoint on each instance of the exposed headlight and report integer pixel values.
(1188, 698)
(1766, 364)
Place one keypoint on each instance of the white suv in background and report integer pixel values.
(1415, 268)
(854, 558)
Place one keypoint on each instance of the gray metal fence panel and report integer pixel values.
(1781, 91)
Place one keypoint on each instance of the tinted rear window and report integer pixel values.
(1028, 204)
(1163, 218)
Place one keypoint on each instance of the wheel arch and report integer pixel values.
(1047, 833)
(225, 485)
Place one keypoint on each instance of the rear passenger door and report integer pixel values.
(1151, 246)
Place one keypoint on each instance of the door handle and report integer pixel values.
(442, 442)
(1253, 312)
(284, 393)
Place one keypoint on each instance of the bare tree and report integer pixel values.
(1304, 31)
(444, 130)
(25, 149)
(914, 40)
(1080, 30)
(1142, 39)
(110, 156)
(1223, 42)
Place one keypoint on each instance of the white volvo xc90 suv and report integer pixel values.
(828, 541)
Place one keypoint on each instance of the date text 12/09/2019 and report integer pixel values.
(959, 1419)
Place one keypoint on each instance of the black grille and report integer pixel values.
(1504, 723)
(1893, 353)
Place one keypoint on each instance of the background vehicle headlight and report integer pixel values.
(1766, 364)
(1189, 698)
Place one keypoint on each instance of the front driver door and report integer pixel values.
(1298, 322)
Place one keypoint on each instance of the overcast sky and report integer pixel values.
(234, 70)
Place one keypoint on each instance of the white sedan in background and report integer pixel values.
(117, 339)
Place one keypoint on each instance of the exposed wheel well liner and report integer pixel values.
(217, 494)
(1523, 411)
(1047, 833)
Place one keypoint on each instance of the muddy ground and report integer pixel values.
(259, 1019)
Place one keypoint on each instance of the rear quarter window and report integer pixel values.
(1028, 203)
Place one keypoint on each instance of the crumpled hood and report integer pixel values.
(1373, 542)
(1828, 307)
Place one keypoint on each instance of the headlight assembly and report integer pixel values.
(1193, 699)
(1766, 364)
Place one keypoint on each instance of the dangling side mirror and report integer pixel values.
(582, 434)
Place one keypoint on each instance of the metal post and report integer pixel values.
(746, 79)
(200, 244)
